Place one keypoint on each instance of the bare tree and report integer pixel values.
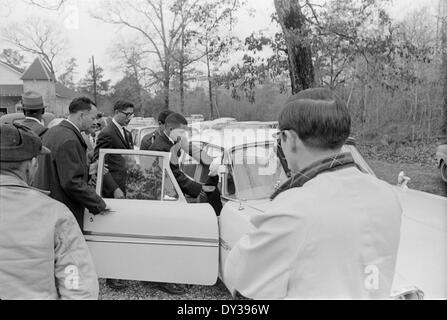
(211, 18)
(5, 8)
(38, 37)
(47, 4)
(296, 33)
(131, 58)
(158, 25)
(444, 61)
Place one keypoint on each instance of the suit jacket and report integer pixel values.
(336, 237)
(188, 186)
(64, 172)
(111, 138)
(34, 126)
(148, 140)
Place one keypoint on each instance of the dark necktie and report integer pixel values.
(125, 135)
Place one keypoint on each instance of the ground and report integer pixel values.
(424, 177)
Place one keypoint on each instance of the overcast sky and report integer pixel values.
(88, 36)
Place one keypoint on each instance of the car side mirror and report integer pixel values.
(402, 180)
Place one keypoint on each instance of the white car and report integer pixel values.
(441, 158)
(138, 133)
(156, 235)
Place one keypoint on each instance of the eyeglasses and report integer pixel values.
(278, 135)
(127, 114)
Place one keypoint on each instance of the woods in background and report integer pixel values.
(393, 74)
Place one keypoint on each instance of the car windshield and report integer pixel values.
(358, 158)
(256, 172)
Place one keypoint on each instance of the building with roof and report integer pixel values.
(37, 77)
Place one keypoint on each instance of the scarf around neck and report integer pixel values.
(339, 162)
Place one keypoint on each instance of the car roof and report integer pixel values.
(230, 138)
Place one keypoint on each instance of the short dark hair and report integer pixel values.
(81, 104)
(163, 115)
(176, 119)
(121, 105)
(319, 117)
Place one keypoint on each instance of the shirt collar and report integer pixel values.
(338, 162)
(168, 137)
(117, 125)
(37, 120)
(70, 122)
(11, 179)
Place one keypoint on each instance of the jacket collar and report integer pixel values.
(120, 133)
(8, 179)
(68, 125)
(339, 162)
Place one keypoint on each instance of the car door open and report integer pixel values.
(153, 234)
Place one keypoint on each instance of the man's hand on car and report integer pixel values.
(106, 211)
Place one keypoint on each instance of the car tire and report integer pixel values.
(444, 171)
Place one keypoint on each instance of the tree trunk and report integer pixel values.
(292, 21)
(444, 65)
(166, 82)
(210, 84)
(182, 68)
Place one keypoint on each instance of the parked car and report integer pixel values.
(441, 157)
(157, 235)
(138, 133)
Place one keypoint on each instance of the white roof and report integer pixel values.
(234, 137)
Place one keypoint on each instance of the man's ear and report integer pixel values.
(293, 139)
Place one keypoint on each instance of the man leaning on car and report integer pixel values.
(43, 254)
(331, 231)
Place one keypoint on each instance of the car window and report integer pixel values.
(359, 160)
(139, 176)
(169, 192)
(255, 172)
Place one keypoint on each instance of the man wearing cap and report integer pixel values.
(43, 254)
(33, 109)
(65, 172)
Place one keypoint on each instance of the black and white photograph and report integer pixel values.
(223, 151)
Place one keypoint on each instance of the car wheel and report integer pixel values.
(444, 171)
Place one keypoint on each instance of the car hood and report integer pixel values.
(422, 254)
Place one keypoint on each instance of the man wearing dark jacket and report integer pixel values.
(33, 109)
(65, 171)
(115, 136)
(149, 139)
(202, 193)
(191, 188)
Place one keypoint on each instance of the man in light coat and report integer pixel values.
(43, 254)
(331, 231)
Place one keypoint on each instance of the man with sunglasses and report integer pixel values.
(115, 136)
(331, 231)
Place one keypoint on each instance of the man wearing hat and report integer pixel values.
(34, 109)
(43, 254)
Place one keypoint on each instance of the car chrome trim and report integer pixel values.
(204, 241)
